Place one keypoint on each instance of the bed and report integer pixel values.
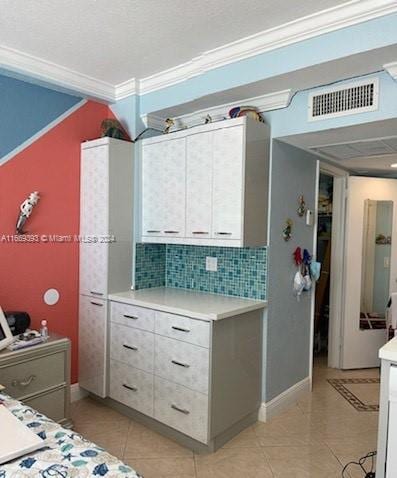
(67, 454)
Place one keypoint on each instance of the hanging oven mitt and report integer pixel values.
(307, 259)
(299, 283)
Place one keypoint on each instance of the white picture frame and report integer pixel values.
(6, 331)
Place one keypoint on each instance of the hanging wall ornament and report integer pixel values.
(287, 231)
(302, 206)
(26, 209)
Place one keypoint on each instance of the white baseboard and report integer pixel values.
(284, 400)
(77, 393)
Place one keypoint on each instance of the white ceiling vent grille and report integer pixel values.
(344, 100)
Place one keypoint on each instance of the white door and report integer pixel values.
(174, 188)
(227, 196)
(153, 160)
(93, 345)
(370, 267)
(199, 185)
(94, 220)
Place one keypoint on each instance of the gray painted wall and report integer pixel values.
(288, 321)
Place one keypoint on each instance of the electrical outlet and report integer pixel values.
(386, 262)
(211, 264)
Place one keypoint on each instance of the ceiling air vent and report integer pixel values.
(344, 100)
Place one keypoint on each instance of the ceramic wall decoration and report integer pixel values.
(302, 206)
(26, 209)
(287, 231)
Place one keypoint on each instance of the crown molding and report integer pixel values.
(268, 102)
(391, 68)
(125, 89)
(48, 72)
(335, 18)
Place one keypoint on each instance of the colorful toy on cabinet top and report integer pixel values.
(249, 111)
(287, 231)
(302, 206)
(111, 128)
(26, 209)
(169, 123)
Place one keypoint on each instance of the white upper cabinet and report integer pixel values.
(207, 185)
(105, 216)
(199, 160)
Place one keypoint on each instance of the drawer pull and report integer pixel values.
(200, 232)
(152, 231)
(171, 232)
(130, 317)
(181, 364)
(96, 303)
(181, 410)
(224, 233)
(133, 389)
(23, 383)
(180, 329)
(130, 347)
(93, 292)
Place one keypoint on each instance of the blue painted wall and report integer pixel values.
(25, 109)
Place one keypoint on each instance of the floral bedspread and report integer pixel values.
(66, 454)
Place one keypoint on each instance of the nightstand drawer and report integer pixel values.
(181, 408)
(132, 387)
(182, 363)
(183, 328)
(33, 375)
(51, 404)
(132, 316)
(132, 346)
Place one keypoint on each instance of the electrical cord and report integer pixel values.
(361, 462)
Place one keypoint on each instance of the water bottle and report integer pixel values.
(44, 329)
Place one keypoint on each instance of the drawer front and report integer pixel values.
(50, 404)
(181, 408)
(132, 387)
(33, 376)
(132, 316)
(183, 328)
(132, 346)
(182, 363)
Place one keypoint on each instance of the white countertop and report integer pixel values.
(198, 305)
(389, 351)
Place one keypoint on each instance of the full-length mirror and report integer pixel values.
(376, 254)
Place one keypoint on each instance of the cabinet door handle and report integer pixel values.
(152, 231)
(130, 317)
(23, 383)
(128, 387)
(96, 303)
(181, 364)
(171, 232)
(200, 232)
(93, 292)
(180, 329)
(221, 233)
(130, 347)
(181, 410)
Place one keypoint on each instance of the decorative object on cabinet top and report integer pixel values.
(112, 128)
(197, 305)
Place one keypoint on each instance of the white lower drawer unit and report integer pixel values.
(182, 363)
(183, 328)
(132, 346)
(132, 316)
(132, 387)
(181, 408)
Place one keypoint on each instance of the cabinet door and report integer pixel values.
(227, 195)
(153, 159)
(199, 185)
(93, 345)
(94, 220)
(174, 188)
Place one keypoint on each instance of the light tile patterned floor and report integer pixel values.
(313, 439)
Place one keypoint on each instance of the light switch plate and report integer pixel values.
(211, 264)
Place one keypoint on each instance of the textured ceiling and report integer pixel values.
(120, 39)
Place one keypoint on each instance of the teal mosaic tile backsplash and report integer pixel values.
(241, 271)
(149, 265)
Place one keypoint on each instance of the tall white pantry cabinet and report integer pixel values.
(106, 223)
